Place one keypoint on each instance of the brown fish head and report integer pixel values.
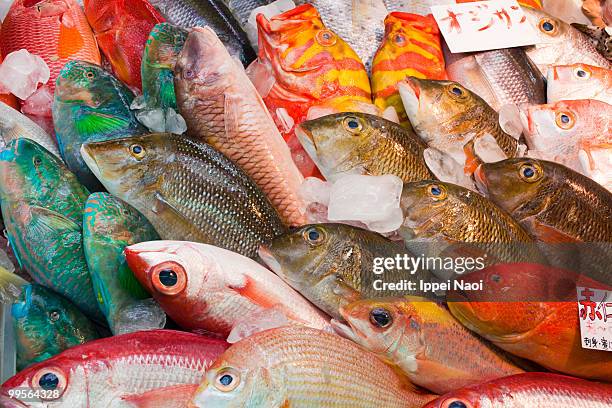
(203, 65)
(337, 143)
(513, 183)
(129, 166)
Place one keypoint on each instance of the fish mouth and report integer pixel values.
(481, 181)
(90, 160)
(526, 119)
(410, 92)
(265, 254)
(344, 330)
(8, 402)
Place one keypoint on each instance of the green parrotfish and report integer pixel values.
(109, 225)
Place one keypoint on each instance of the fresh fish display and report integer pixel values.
(110, 225)
(55, 30)
(223, 108)
(108, 372)
(213, 14)
(305, 70)
(577, 134)
(46, 324)
(191, 192)
(411, 47)
(90, 104)
(300, 366)
(451, 118)
(360, 143)
(361, 23)
(42, 208)
(210, 289)
(122, 28)
(530, 310)
(529, 390)
(161, 52)
(500, 77)
(560, 44)
(422, 338)
(331, 264)
(540, 194)
(14, 124)
(579, 81)
(600, 37)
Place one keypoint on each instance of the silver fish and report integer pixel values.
(14, 125)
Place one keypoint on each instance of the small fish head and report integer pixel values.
(426, 202)
(28, 171)
(513, 182)
(564, 81)
(335, 142)
(82, 83)
(129, 166)
(204, 65)
(555, 127)
(549, 29)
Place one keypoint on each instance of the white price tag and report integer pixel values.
(595, 315)
(484, 25)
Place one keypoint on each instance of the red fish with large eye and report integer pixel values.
(206, 288)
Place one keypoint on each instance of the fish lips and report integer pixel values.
(8, 402)
(265, 254)
(87, 153)
(410, 92)
(480, 180)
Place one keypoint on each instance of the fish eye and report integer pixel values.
(353, 124)
(414, 324)
(582, 73)
(227, 380)
(400, 40)
(54, 315)
(437, 192)
(380, 317)
(530, 173)
(188, 74)
(325, 38)
(456, 91)
(496, 278)
(137, 151)
(457, 404)
(89, 75)
(548, 26)
(37, 161)
(169, 278)
(314, 236)
(49, 379)
(565, 120)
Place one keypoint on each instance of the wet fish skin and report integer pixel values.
(14, 124)
(575, 133)
(46, 324)
(600, 37)
(102, 373)
(223, 108)
(213, 14)
(186, 189)
(221, 288)
(500, 77)
(121, 28)
(544, 390)
(375, 147)
(579, 81)
(303, 366)
(422, 338)
(109, 225)
(542, 202)
(90, 104)
(411, 46)
(242, 8)
(559, 43)
(334, 269)
(55, 30)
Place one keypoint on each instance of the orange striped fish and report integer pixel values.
(55, 30)
(313, 71)
(411, 47)
(529, 3)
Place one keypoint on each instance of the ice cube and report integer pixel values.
(391, 223)
(140, 315)
(39, 103)
(367, 199)
(260, 74)
(138, 103)
(510, 120)
(315, 190)
(21, 72)
(257, 322)
(446, 168)
(487, 149)
(175, 122)
(154, 119)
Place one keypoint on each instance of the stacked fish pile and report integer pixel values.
(199, 193)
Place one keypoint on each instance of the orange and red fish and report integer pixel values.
(411, 47)
(304, 71)
(55, 30)
(122, 28)
(537, 4)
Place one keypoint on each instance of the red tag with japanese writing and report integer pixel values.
(595, 314)
(484, 25)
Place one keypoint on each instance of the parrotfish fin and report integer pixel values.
(45, 220)
(128, 281)
(90, 123)
(547, 233)
(10, 285)
(172, 396)
(16, 253)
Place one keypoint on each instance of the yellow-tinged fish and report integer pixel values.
(425, 341)
(303, 367)
(411, 47)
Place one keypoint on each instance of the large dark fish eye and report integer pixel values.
(548, 26)
(399, 39)
(565, 120)
(530, 172)
(380, 317)
(168, 277)
(437, 192)
(352, 124)
(227, 380)
(457, 404)
(314, 235)
(137, 151)
(457, 91)
(48, 381)
(582, 73)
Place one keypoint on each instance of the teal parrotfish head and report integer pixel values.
(80, 83)
(29, 171)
